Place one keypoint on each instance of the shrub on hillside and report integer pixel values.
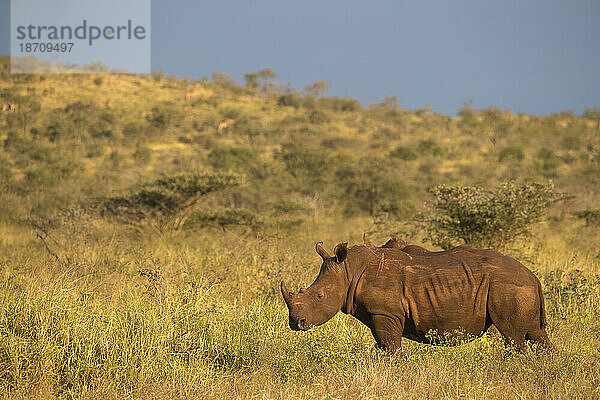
(289, 100)
(286, 207)
(163, 116)
(340, 104)
(304, 162)
(484, 218)
(590, 216)
(165, 204)
(571, 142)
(567, 290)
(237, 158)
(142, 154)
(468, 116)
(318, 117)
(372, 184)
(386, 134)
(132, 129)
(511, 153)
(404, 153)
(224, 217)
(430, 147)
(338, 142)
(548, 163)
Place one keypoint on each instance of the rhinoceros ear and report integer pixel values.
(321, 251)
(341, 251)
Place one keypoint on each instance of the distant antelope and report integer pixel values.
(226, 123)
(189, 96)
(193, 93)
(9, 107)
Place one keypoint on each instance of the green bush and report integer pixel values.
(304, 162)
(338, 142)
(142, 154)
(14, 141)
(468, 116)
(289, 100)
(511, 153)
(289, 207)
(590, 216)
(546, 154)
(132, 129)
(229, 157)
(386, 134)
(571, 142)
(165, 204)
(163, 116)
(345, 104)
(372, 184)
(223, 218)
(430, 147)
(404, 153)
(236, 158)
(78, 116)
(484, 218)
(318, 117)
(566, 290)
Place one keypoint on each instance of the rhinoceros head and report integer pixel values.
(325, 297)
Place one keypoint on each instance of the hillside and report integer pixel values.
(99, 302)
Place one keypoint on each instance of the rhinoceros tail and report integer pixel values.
(542, 305)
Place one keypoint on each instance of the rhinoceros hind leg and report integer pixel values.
(509, 328)
(512, 336)
(515, 311)
(540, 337)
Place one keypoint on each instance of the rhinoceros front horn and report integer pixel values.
(287, 295)
(321, 251)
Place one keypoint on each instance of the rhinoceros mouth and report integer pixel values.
(300, 325)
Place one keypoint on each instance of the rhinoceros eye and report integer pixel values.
(320, 295)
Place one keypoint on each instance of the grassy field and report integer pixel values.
(93, 306)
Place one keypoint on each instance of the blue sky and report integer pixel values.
(528, 56)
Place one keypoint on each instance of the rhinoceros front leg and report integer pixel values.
(387, 331)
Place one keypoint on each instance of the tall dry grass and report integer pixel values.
(199, 316)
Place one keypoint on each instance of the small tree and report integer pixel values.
(590, 216)
(221, 77)
(593, 114)
(306, 163)
(251, 80)
(373, 185)
(165, 204)
(265, 75)
(317, 89)
(79, 115)
(468, 116)
(164, 116)
(390, 101)
(225, 217)
(28, 108)
(485, 218)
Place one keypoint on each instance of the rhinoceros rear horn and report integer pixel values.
(287, 295)
(321, 251)
(367, 242)
(395, 243)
